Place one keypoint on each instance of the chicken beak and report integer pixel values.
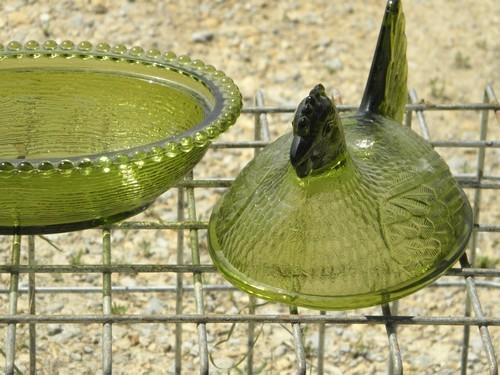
(299, 155)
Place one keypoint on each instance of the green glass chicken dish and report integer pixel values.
(93, 134)
(344, 212)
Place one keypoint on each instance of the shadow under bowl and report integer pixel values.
(93, 134)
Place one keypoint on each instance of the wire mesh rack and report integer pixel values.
(189, 285)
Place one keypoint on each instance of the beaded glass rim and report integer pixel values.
(227, 106)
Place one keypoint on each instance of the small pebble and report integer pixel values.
(100, 9)
(88, 349)
(155, 306)
(280, 350)
(54, 307)
(54, 329)
(334, 65)
(345, 348)
(224, 362)
(17, 18)
(202, 36)
(44, 18)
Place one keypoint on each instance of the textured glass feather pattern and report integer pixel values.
(380, 226)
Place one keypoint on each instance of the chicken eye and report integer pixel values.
(303, 127)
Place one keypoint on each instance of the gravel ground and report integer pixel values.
(284, 47)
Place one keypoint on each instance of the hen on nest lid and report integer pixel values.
(344, 212)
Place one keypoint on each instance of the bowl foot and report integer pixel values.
(70, 227)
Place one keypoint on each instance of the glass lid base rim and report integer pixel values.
(319, 302)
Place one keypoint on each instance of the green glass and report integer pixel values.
(344, 213)
(93, 134)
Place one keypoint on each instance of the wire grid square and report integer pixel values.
(165, 309)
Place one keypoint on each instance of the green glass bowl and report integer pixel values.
(93, 134)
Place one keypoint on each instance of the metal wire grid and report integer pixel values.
(186, 189)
